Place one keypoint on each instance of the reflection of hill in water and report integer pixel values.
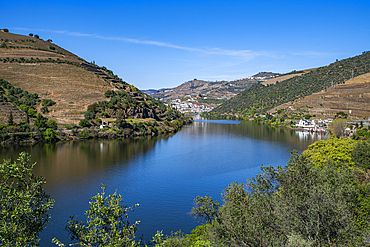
(298, 140)
(161, 171)
(60, 162)
(75, 159)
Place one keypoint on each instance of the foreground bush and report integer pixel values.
(299, 203)
(23, 203)
(106, 225)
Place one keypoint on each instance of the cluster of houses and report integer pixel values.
(189, 106)
(315, 124)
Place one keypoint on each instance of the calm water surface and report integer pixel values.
(164, 174)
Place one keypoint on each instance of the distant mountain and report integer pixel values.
(266, 75)
(150, 92)
(212, 89)
(261, 98)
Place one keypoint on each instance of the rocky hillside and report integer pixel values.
(53, 73)
(212, 89)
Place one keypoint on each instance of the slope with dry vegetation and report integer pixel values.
(261, 98)
(351, 98)
(56, 74)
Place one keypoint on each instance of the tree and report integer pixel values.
(300, 203)
(362, 134)
(84, 133)
(361, 154)
(338, 126)
(89, 115)
(6, 30)
(107, 223)
(120, 120)
(36, 36)
(23, 203)
(338, 150)
(10, 119)
(52, 124)
(84, 123)
(44, 109)
(205, 208)
(31, 34)
(40, 121)
(50, 134)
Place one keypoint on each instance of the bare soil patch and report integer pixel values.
(282, 78)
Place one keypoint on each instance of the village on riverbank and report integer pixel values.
(347, 128)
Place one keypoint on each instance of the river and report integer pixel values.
(163, 174)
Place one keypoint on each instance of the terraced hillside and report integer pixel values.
(27, 47)
(56, 74)
(260, 98)
(7, 108)
(351, 98)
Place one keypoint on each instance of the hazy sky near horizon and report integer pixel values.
(160, 44)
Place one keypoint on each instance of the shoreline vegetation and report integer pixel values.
(23, 133)
(339, 126)
(319, 198)
(134, 128)
(123, 116)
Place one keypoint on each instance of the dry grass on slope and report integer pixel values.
(283, 78)
(18, 46)
(365, 78)
(72, 88)
(353, 96)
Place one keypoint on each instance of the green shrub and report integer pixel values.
(297, 204)
(44, 109)
(50, 134)
(31, 112)
(339, 150)
(84, 123)
(89, 115)
(106, 224)
(52, 124)
(84, 134)
(48, 102)
(23, 203)
(361, 154)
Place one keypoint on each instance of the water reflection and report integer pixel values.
(164, 174)
(306, 135)
(298, 140)
(78, 158)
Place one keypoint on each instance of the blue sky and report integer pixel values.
(159, 44)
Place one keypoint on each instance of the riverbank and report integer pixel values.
(129, 129)
(198, 160)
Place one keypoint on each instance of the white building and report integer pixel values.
(304, 123)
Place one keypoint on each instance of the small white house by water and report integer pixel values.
(304, 123)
